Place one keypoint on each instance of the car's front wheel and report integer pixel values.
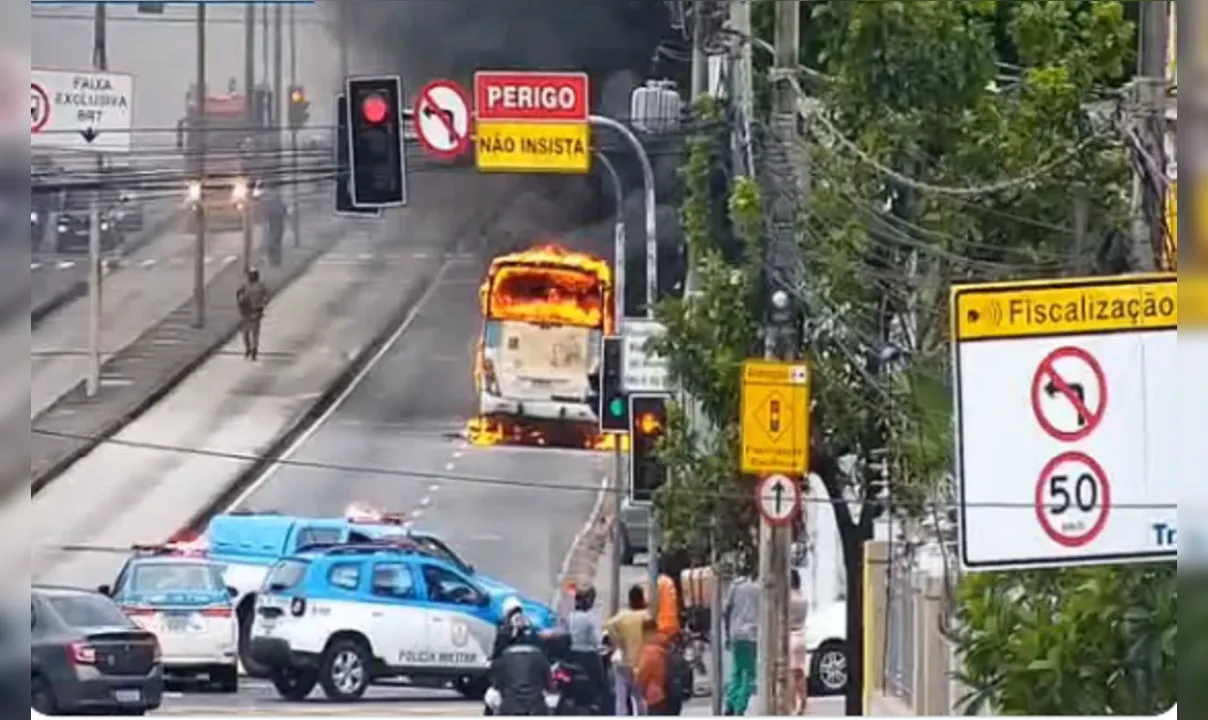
(828, 668)
(293, 684)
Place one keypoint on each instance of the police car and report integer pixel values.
(248, 544)
(183, 599)
(346, 616)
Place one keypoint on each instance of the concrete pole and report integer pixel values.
(295, 221)
(1149, 226)
(100, 61)
(249, 92)
(198, 129)
(700, 61)
(774, 542)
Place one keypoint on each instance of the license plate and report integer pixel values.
(128, 696)
(176, 623)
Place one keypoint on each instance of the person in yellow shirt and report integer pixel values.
(625, 629)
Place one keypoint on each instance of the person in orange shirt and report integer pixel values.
(668, 609)
(650, 678)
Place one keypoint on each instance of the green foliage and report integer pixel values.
(927, 89)
(709, 334)
(1075, 642)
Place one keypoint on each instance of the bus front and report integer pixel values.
(545, 313)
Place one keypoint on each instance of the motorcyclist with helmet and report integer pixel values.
(587, 649)
(520, 667)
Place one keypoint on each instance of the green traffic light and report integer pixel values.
(616, 407)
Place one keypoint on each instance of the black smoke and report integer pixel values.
(614, 41)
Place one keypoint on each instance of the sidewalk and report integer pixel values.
(140, 373)
(131, 302)
(183, 455)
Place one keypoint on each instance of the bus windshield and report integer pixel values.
(547, 295)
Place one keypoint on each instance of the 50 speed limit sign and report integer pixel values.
(1073, 499)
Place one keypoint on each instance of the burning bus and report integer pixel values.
(545, 313)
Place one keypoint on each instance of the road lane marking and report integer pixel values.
(347, 392)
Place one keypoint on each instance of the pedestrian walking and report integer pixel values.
(625, 630)
(799, 607)
(740, 623)
(252, 299)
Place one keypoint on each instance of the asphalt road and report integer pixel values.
(512, 512)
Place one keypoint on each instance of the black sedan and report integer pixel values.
(88, 657)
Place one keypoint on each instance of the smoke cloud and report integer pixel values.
(614, 41)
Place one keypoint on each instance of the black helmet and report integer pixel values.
(585, 598)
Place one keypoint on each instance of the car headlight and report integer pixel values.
(104, 226)
(194, 192)
(239, 192)
(62, 228)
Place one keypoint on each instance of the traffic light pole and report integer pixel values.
(618, 458)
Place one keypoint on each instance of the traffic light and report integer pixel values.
(648, 415)
(299, 107)
(376, 141)
(613, 405)
(344, 204)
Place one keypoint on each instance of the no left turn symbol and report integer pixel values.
(442, 119)
(1069, 393)
(39, 107)
(1073, 499)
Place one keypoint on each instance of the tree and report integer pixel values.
(953, 143)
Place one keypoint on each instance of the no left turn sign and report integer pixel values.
(442, 119)
(1069, 393)
(39, 107)
(1073, 499)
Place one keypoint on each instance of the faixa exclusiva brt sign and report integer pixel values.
(532, 122)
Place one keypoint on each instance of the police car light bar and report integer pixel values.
(368, 516)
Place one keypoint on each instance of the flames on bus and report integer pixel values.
(547, 286)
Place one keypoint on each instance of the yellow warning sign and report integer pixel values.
(533, 147)
(1065, 307)
(775, 417)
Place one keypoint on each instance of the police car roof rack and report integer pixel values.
(373, 547)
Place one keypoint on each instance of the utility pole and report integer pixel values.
(1149, 200)
(700, 61)
(249, 94)
(775, 541)
(295, 222)
(198, 128)
(278, 117)
(100, 61)
(342, 32)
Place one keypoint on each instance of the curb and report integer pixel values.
(583, 557)
(173, 379)
(79, 288)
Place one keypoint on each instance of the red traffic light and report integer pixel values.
(375, 109)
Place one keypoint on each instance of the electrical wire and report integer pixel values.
(479, 480)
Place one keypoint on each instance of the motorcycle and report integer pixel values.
(493, 699)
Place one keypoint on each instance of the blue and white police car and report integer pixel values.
(248, 544)
(345, 616)
(183, 599)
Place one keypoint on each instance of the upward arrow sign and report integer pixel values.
(777, 497)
